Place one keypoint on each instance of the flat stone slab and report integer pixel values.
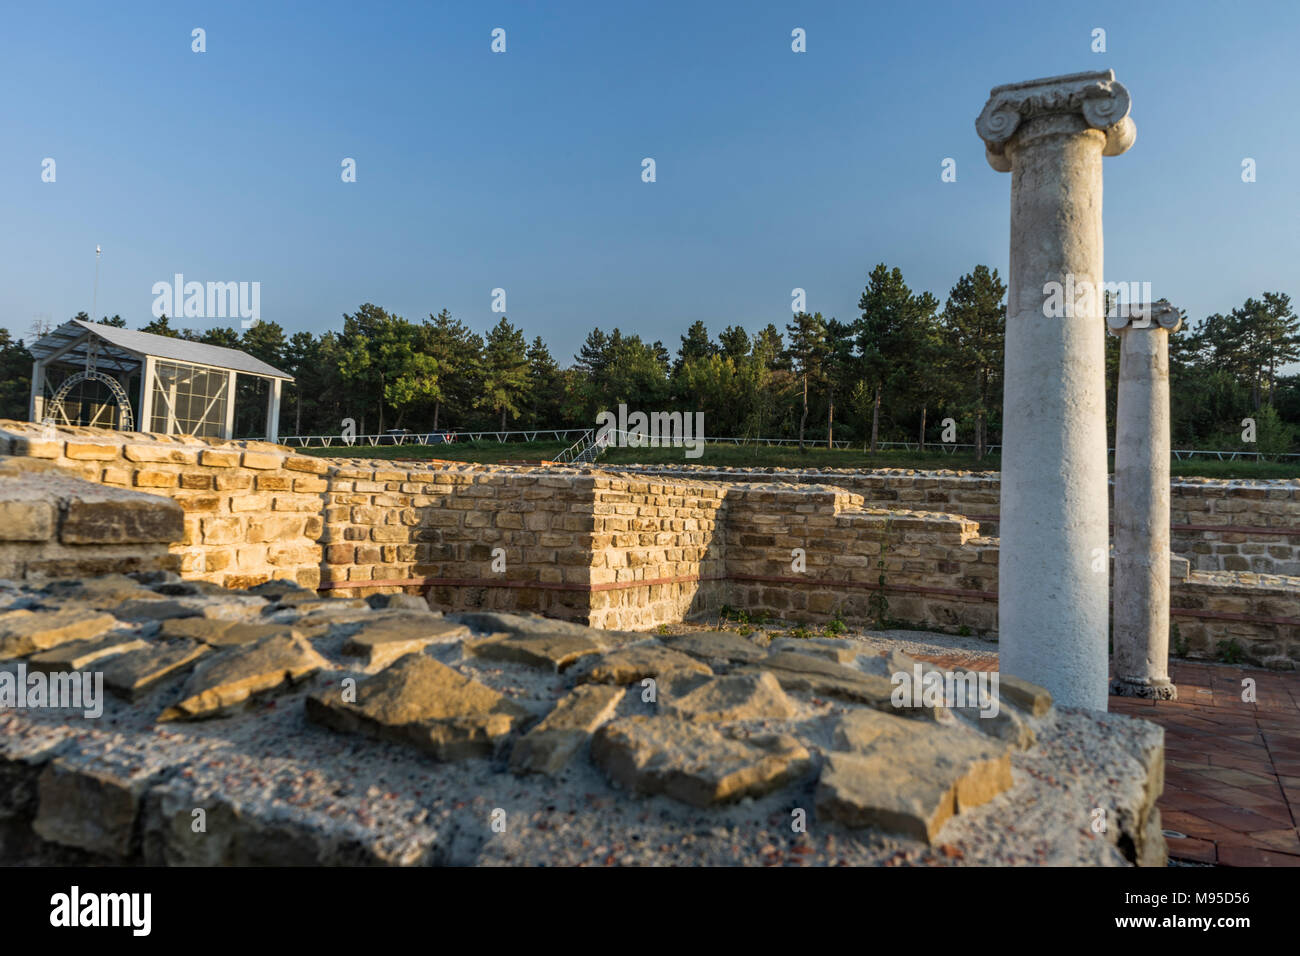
(386, 639)
(838, 650)
(534, 625)
(553, 743)
(104, 594)
(319, 607)
(631, 664)
(425, 703)
(695, 764)
(909, 776)
(236, 607)
(79, 655)
(231, 676)
(989, 715)
(555, 651)
(1028, 697)
(24, 632)
(805, 672)
(136, 673)
(283, 591)
(519, 625)
(728, 698)
(402, 602)
(717, 645)
(222, 633)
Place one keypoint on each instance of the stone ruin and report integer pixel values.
(279, 670)
(324, 662)
(269, 725)
(279, 673)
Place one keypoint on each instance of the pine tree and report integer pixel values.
(505, 370)
(974, 326)
(807, 351)
(892, 331)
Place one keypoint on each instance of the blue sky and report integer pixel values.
(522, 170)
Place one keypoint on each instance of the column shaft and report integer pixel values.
(1140, 663)
(1052, 594)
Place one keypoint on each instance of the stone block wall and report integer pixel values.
(54, 525)
(616, 550)
(657, 552)
(1218, 525)
(818, 553)
(391, 529)
(252, 511)
(1237, 525)
(1259, 613)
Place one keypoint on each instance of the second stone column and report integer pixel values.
(1142, 451)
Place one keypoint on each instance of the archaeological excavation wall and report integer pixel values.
(54, 525)
(1218, 525)
(631, 550)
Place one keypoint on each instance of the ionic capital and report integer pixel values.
(1154, 315)
(1099, 98)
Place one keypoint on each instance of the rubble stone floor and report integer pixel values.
(273, 727)
(1232, 771)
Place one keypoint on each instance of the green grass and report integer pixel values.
(769, 456)
(762, 456)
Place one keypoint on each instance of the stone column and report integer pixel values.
(1051, 135)
(1141, 590)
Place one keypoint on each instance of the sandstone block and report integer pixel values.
(697, 765)
(386, 639)
(79, 655)
(229, 678)
(25, 520)
(135, 673)
(551, 745)
(554, 651)
(718, 645)
(732, 697)
(631, 664)
(92, 808)
(908, 776)
(24, 632)
(425, 703)
(1029, 697)
(122, 518)
(805, 672)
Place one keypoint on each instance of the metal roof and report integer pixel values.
(128, 346)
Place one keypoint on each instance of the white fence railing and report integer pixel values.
(583, 448)
(431, 438)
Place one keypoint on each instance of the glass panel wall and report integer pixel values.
(189, 400)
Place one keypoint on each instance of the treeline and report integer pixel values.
(896, 371)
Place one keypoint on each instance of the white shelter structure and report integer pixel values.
(86, 374)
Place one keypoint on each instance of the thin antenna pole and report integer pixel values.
(94, 307)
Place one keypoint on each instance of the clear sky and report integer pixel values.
(522, 170)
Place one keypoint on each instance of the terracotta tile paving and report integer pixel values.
(1230, 783)
(1232, 768)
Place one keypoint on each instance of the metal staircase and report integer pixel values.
(584, 451)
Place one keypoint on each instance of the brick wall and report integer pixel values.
(1218, 525)
(252, 511)
(657, 552)
(624, 550)
(480, 538)
(818, 553)
(55, 525)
